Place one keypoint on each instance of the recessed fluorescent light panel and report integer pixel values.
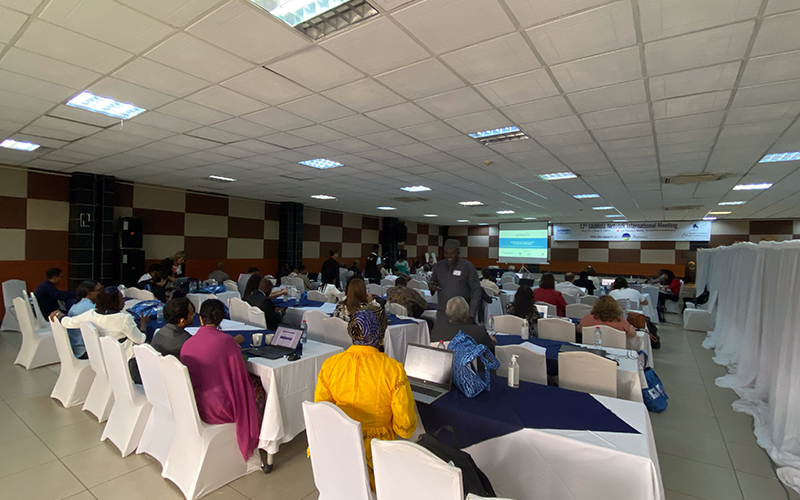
(483, 224)
(781, 157)
(504, 212)
(471, 203)
(462, 220)
(221, 178)
(320, 163)
(613, 215)
(294, 12)
(751, 187)
(718, 213)
(22, 146)
(585, 196)
(558, 176)
(386, 208)
(709, 218)
(724, 203)
(602, 208)
(529, 218)
(430, 215)
(104, 105)
(317, 18)
(323, 197)
(499, 135)
(415, 189)
(620, 220)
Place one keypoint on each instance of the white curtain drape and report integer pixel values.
(757, 337)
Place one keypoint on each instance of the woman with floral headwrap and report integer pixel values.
(368, 386)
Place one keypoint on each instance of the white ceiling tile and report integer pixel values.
(158, 77)
(194, 112)
(762, 113)
(285, 140)
(468, 22)
(258, 147)
(319, 133)
(714, 46)
(225, 100)
(195, 143)
(530, 12)
(454, 103)
(778, 34)
(134, 128)
(46, 68)
(24, 103)
(553, 127)
(767, 94)
(388, 139)
(33, 87)
(196, 57)
(498, 58)
(703, 134)
(244, 128)
(478, 122)
(413, 150)
(543, 109)
(774, 68)
(430, 131)
(665, 18)
(401, 115)
(364, 95)
(266, 86)
(623, 132)
(216, 135)
(567, 139)
(690, 105)
(317, 108)
(351, 145)
(453, 143)
(391, 4)
(589, 33)
(175, 12)
(719, 77)
(772, 127)
(598, 71)
(26, 6)
(10, 22)
(617, 116)
(775, 6)
(520, 88)
(633, 143)
(613, 96)
(422, 79)
(375, 46)
(167, 122)
(84, 116)
(127, 92)
(107, 21)
(356, 125)
(316, 69)
(277, 119)
(515, 146)
(243, 29)
(692, 122)
(57, 128)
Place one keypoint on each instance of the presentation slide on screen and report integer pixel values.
(524, 243)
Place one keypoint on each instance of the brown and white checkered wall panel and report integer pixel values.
(245, 248)
(159, 246)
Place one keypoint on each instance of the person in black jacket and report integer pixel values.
(261, 298)
(332, 264)
(168, 340)
(175, 267)
(585, 282)
(157, 284)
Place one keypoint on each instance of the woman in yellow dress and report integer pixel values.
(369, 386)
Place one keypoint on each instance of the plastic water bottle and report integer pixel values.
(491, 323)
(441, 345)
(524, 332)
(303, 337)
(160, 313)
(598, 336)
(513, 372)
(121, 289)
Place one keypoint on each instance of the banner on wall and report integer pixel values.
(634, 231)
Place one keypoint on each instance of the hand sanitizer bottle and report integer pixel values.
(525, 333)
(513, 372)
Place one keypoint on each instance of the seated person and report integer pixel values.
(48, 295)
(547, 293)
(223, 389)
(592, 274)
(168, 340)
(149, 274)
(86, 293)
(282, 271)
(357, 299)
(669, 290)
(175, 267)
(429, 265)
(220, 276)
(620, 290)
(354, 268)
(109, 318)
(524, 307)
(512, 272)
(409, 298)
(328, 288)
(368, 386)
(584, 282)
(157, 285)
(569, 287)
(488, 284)
(606, 311)
(458, 320)
(262, 299)
(301, 272)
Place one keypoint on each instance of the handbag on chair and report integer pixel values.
(469, 381)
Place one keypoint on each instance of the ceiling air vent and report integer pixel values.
(694, 178)
(410, 199)
(684, 207)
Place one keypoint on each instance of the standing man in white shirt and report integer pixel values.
(569, 287)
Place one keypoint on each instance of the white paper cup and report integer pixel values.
(257, 338)
(268, 338)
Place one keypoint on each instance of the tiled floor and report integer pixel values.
(47, 452)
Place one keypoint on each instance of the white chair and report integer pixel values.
(11, 290)
(38, 346)
(589, 300)
(587, 372)
(256, 317)
(674, 306)
(508, 323)
(203, 457)
(315, 295)
(532, 365)
(611, 337)
(231, 285)
(510, 286)
(551, 309)
(100, 398)
(284, 280)
(507, 279)
(140, 294)
(396, 462)
(297, 283)
(323, 328)
(336, 446)
(396, 309)
(226, 296)
(159, 431)
(376, 290)
(577, 310)
(385, 282)
(556, 329)
(237, 308)
(76, 375)
(40, 321)
(419, 285)
(570, 299)
(242, 283)
(625, 303)
(701, 318)
(129, 414)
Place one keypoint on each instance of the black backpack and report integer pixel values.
(475, 481)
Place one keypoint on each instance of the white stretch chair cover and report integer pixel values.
(159, 430)
(337, 453)
(385, 282)
(256, 317)
(476, 497)
(203, 457)
(507, 279)
(40, 321)
(405, 470)
(589, 300)
(628, 304)
(242, 283)
(38, 346)
(140, 294)
(611, 337)
(556, 329)
(284, 280)
(100, 398)
(419, 285)
(226, 296)
(570, 299)
(231, 285)
(577, 310)
(315, 295)
(376, 290)
(510, 286)
(238, 310)
(674, 306)
(130, 411)
(702, 318)
(76, 375)
(587, 372)
(396, 309)
(532, 365)
(326, 329)
(11, 290)
(297, 283)
(508, 323)
(551, 309)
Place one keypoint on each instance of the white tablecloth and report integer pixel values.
(398, 336)
(641, 342)
(294, 315)
(287, 385)
(652, 299)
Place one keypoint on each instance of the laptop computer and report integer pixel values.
(526, 282)
(542, 310)
(607, 281)
(429, 371)
(284, 342)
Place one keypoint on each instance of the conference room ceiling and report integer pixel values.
(622, 93)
